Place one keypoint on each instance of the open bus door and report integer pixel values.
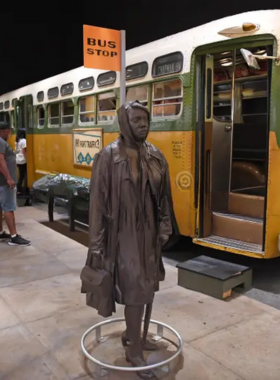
(216, 152)
(24, 116)
(232, 150)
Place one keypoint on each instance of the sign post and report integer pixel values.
(123, 69)
(104, 49)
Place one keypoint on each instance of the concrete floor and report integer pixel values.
(43, 316)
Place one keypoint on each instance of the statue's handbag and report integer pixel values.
(98, 285)
(93, 279)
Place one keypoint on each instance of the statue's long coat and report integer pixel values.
(127, 221)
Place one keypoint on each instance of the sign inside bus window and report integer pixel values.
(86, 144)
(169, 64)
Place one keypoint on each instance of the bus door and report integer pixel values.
(216, 142)
(23, 112)
(233, 114)
(25, 117)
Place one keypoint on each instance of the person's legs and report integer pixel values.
(10, 221)
(9, 204)
(146, 344)
(25, 179)
(134, 354)
(21, 179)
(3, 234)
(133, 318)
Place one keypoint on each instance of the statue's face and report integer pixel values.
(139, 123)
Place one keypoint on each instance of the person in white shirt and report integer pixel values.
(21, 160)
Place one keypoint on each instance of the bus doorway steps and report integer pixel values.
(229, 244)
(237, 227)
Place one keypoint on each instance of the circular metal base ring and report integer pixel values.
(131, 369)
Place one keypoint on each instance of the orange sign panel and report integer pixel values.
(102, 48)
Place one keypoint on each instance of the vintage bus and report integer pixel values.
(215, 117)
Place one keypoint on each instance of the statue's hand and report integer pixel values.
(98, 260)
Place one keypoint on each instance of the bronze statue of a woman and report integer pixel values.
(131, 218)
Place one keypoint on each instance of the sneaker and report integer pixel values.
(4, 236)
(18, 240)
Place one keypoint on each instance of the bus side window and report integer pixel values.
(167, 99)
(138, 93)
(54, 115)
(4, 116)
(67, 113)
(40, 117)
(87, 110)
(107, 107)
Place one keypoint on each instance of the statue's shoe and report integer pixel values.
(147, 346)
(137, 361)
